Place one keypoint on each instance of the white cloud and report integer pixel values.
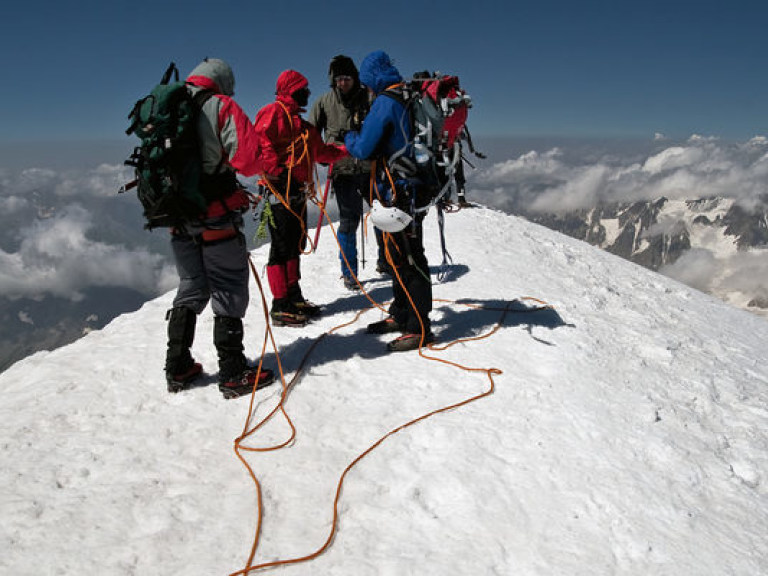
(758, 141)
(744, 273)
(57, 258)
(559, 181)
(103, 180)
(666, 225)
(53, 254)
(696, 268)
(12, 204)
(700, 167)
(747, 272)
(673, 158)
(32, 180)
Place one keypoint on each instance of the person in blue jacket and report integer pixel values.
(386, 135)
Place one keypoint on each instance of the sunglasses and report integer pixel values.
(344, 78)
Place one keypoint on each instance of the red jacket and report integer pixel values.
(287, 140)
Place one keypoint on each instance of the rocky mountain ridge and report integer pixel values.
(657, 234)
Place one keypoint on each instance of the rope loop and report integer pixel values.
(250, 428)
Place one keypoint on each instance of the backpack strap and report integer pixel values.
(447, 258)
(396, 93)
(398, 158)
(172, 70)
(201, 97)
(134, 115)
(218, 180)
(471, 146)
(198, 101)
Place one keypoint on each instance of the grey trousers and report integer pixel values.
(216, 271)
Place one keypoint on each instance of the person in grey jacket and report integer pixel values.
(210, 253)
(335, 113)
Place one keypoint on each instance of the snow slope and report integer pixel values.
(626, 433)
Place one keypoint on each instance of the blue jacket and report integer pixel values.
(387, 127)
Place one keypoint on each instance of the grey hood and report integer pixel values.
(216, 71)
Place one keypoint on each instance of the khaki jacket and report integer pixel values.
(334, 117)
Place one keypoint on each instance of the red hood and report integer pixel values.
(203, 82)
(288, 82)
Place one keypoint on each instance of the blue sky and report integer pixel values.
(555, 68)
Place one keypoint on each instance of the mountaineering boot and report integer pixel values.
(244, 385)
(284, 313)
(293, 290)
(386, 326)
(181, 381)
(408, 342)
(383, 267)
(350, 284)
(304, 306)
(307, 308)
(236, 378)
(180, 368)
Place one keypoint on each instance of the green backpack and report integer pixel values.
(167, 163)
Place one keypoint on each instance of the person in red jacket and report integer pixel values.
(289, 148)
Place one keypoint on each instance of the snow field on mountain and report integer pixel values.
(626, 434)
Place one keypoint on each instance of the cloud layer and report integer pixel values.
(57, 258)
(62, 232)
(57, 227)
(698, 168)
(558, 180)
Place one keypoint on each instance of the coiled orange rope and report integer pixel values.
(250, 428)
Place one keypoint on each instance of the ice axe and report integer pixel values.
(322, 206)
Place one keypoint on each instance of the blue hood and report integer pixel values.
(377, 72)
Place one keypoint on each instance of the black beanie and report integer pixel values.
(342, 66)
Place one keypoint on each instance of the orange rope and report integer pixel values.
(303, 139)
(249, 430)
(250, 566)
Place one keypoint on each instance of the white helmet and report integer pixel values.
(389, 219)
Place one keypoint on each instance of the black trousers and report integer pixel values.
(407, 251)
(288, 235)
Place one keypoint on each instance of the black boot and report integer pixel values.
(180, 368)
(286, 313)
(228, 339)
(236, 378)
(304, 306)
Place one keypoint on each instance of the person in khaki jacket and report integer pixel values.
(335, 113)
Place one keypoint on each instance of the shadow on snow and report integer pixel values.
(465, 318)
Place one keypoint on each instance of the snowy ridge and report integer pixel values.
(709, 244)
(683, 216)
(696, 211)
(626, 434)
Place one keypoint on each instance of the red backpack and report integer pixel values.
(453, 103)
